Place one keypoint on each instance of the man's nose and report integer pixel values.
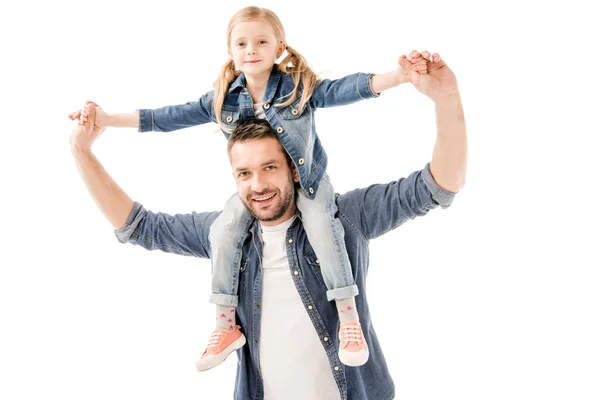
(259, 184)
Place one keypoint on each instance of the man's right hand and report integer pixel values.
(100, 120)
(85, 134)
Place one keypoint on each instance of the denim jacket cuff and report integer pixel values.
(133, 220)
(441, 196)
(365, 90)
(146, 123)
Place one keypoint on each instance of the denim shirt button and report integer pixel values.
(266, 106)
(311, 190)
(289, 241)
(310, 307)
(294, 111)
(257, 305)
(296, 273)
(337, 368)
(317, 261)
(279, 129)
(326, 339)
(301, 161)
(229, 119)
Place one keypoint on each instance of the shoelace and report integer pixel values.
(351, 333)
(214, 339)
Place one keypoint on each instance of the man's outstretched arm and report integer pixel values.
(186, 234)
(114, 203)
(449, 161)
(378, 209)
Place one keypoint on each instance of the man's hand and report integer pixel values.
(416, 64)
(439, 82)
(85, 134)
(82, 116)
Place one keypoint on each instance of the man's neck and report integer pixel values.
(286, 223)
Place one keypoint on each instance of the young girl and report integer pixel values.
(252, 85)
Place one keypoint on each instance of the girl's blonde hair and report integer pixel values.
(293, 64)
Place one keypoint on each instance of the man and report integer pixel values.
(290, 325)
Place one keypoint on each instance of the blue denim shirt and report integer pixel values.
(365, 213)
(296, 128)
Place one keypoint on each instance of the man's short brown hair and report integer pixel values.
(256, 129)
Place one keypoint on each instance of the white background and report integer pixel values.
(495, 298)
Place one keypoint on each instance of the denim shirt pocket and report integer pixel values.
(230, 118)
(313, 263)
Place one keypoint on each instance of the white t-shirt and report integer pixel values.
(293, 362)
(259, 111)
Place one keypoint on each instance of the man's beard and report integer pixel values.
(284, 201)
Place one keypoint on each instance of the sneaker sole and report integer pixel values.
(219, 358)
(353, 359)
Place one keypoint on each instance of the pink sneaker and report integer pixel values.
(221, 344)
(353, 348)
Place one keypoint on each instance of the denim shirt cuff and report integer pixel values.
(365, 90)
(146, 123)
(133, 220)
(441, 196)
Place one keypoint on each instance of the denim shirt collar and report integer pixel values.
(240, 83)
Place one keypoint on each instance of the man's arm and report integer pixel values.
(185, 234)
(449, 161)
(114, 203)
(377, 209)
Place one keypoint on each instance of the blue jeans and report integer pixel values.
(325, 234)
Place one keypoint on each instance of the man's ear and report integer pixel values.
(296, 177)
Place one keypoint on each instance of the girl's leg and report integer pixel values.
(326, 236)
(227, 235)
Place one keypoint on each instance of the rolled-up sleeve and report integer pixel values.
(441, 196)
(185, 234)
(380, 208)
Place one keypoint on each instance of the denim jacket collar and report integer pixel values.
(238, 83)
(272, 84)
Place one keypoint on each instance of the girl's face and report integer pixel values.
(254, 48)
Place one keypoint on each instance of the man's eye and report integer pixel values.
(243, 174)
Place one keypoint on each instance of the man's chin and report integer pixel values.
(264, 216)
(267, 215)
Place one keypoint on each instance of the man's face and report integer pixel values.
(265, 182)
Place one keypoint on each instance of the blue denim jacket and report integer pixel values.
(365, 213)
(296, 128)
